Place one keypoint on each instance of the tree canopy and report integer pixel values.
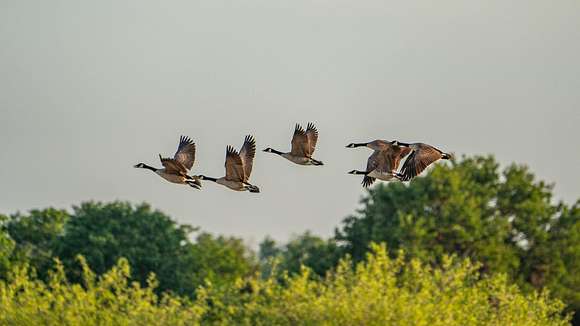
(103, 233)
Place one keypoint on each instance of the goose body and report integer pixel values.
(301, 160)
(421, 157)
(174, 178)
(382, 164)
(175, 170)
(238, 167)
(303, 146)
(375, 145)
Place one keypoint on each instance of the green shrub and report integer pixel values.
(378, 291)
(107, 300)
(384, 291)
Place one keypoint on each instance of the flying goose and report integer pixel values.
(175, 169)
(383, 164)
(422, 156)
(303, 145)
(376, 145)
(238, 167)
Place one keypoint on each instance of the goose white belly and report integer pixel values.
(385, 176)
(297, 159)
(234, 185)
(171, 177)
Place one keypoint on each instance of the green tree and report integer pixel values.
(35, 235)
(507, 221)
(562, 267)
(150, 240)
(152, 243)
(303, 250)
(219, 260)
(6, 248)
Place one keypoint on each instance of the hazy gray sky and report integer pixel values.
(89, 88)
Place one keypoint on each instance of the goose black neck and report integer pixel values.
(210, 179)
(276, 152)
(145, 166)
(360, 144)
(359, 172)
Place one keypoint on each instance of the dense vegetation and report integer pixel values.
(522, 243)
(380, 291)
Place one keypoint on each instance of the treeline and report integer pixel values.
(505, 221)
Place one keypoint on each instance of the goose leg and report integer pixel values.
(251, 188)
(193, 185)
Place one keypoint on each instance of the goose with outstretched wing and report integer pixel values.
(176, 169)
(303, 146)
(238, 167)
(383, 164)
(421, 157)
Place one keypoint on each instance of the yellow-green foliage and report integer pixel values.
(384, 291)
(381, 291)
(109, 300)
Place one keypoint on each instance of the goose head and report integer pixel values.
(353, 145)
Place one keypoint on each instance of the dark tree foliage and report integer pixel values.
(220, 260)
(506, 220)
(35, 235)
(149, 239)
(6, 248)
(103, 233)
(306, 249)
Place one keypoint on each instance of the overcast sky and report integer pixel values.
(90, 88)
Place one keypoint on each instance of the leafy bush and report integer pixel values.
(384, 291)
(380, 291)
(107, 300)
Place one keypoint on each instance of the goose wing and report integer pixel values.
(372, 163)
(384, 161)
(312, 135)
(379, 145)
(185, 152)
(399, 154)
(299, 141)
(172, 166)
(247, 154)
(234, 165)
(419, 160)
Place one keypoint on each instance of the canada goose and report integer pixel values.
(238, 167)
(376, 145)
(303, 145)
(175, 169)
(422, 156)
(382, 164)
